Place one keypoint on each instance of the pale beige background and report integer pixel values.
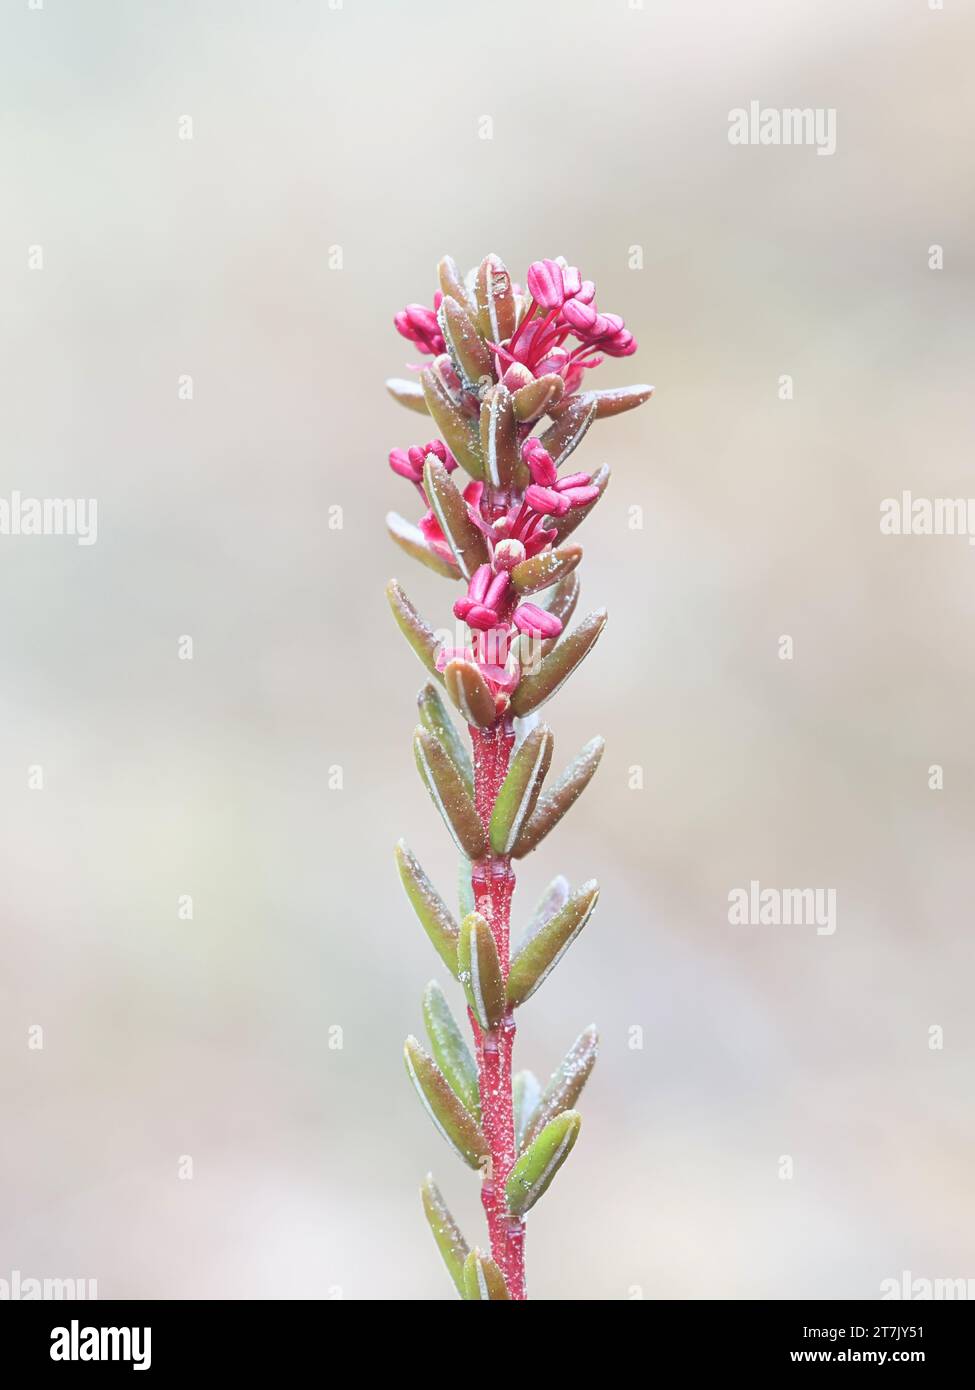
(209, 1038)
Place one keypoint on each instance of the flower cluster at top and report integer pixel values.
(504, 357)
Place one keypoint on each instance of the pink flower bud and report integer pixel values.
(528, 617)
(579, 496)
(479, 582)
(581, 317)
(401, 463)
(478, 616)
(545, 284)
(571, 281)
(546, 500)
(496, 591)
(539, 462)
(622, 344)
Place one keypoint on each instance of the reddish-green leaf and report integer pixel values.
(537, 958)
(451, 1244)
(430, 908)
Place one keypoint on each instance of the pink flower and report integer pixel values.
(408, 463)
(486, 599)
(419, 324)
(529, 618)
(548, 493)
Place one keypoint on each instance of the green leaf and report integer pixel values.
(526, 1092)
(554, 670)
(617, 399)
(565, 525)
(407, 393)
(483, 1281)
(569, 430)
(546, 569)
(537, 957)
(450, 1051)
(551, 807)
(496, 313)
(503, 466)
(533, 399)
(479, 971)
(449, 794)
(465, 889)
(411, 539)
(429, 907)
(519, 790)
(450, 509)
(471, 355)
(470, 692)
(554, 898)
(457, 429)
(420, 637)
(538, 1165)
(450, 1116)
(565, 1086)
(452, 281)
(451, 1244)
(436, 720)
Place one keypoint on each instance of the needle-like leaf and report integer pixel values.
(420, 637)
(479, 971)
(538, 1165)
(450, 509)
(526, 1092)
(411, 539)
(615, 400)
(470, 693)
(537, 957)
(496, 314)
(407, 393)
(534, 399)
(470, 354)
(552, 806)
(519, 790)
(555, 669)
(503, 466)
(450, 1051)
(566, 1083)
(436, 720)
(546, 569)
(569, 430)
(483, 1281)
(449, 793)
(458, 430)
(430, 908)
(450, 1116)
(451, 1244)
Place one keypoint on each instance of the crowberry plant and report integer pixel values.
(505, 360)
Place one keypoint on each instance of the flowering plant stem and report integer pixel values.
(500, 366)
(493, 884)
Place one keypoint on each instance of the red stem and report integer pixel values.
(493, 883)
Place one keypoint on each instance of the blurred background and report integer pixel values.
(166, 258)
